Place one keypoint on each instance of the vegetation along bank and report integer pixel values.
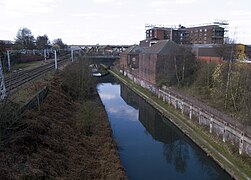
(68, 137)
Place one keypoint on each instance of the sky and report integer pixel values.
(118, 22)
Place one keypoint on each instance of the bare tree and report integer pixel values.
(59, 43)
(24, 39)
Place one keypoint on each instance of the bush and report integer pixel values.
(78, 81)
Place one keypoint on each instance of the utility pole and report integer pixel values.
(8, 56)
(45, 55)
(2, 85)
(72, 55)
(56, 62)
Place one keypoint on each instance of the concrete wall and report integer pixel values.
(228, 132)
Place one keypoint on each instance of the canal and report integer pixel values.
(150, 147)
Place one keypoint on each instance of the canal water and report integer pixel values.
(150, 147)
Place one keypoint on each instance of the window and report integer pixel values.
(200, 30)
(205, 30)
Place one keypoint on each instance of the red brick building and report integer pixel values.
(210, 34)
(129, 59)
(150, 59)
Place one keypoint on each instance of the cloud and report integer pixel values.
(107, 96)
(103, 1)
(186, 1)
(87, 16)
(22, 8)
(92, 16)
(129, 113)
(240, 13)
(161, 3)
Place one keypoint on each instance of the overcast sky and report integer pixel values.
(117, 21)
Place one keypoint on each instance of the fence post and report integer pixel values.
(241, 143)
(182, 106)
(199, 115)
(190, 112)
(224, 133)
(164, 97)
(211, 125)
(175, 102)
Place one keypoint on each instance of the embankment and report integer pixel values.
(52, 142)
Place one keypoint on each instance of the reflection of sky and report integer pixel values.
(116, 106)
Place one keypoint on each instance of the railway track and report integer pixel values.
(18, 79)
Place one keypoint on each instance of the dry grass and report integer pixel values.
(53, 143)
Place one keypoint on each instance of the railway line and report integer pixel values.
(18, 79)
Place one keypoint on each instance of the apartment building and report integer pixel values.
(177, 35)
(212, 34)
(209, 34)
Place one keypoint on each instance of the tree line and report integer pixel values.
(26, 40)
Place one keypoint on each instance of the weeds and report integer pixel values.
(88, 117)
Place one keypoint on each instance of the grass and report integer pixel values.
(232, 163)
(24, 94)
(88, 117)
(29, 65)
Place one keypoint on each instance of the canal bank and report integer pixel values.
(205, 141)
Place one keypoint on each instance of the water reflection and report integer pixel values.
(175, 149)
(153, 148)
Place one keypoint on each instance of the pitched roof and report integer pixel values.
(134, 49)
(162, 47)
(129, 49)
